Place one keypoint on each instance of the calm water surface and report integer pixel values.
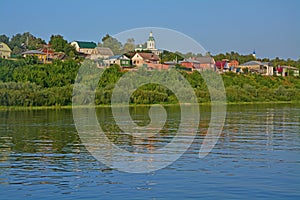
(257, 156)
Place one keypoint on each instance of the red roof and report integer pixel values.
(149, 56)
(46, 50)
(220, 64)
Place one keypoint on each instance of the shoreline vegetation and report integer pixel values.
(31, 108)
(34, 85)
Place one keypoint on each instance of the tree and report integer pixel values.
(70, 50)
(4, 39)
(17, 50)
(208, 54)
(129, 45)
(170, 56)
(25, 41)
(58, 43)
(112, 43)
(107, 36)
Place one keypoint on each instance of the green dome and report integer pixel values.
(151, 38)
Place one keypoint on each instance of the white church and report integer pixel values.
(150, 45)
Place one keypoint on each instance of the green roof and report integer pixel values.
(86, 45)
(151, 38)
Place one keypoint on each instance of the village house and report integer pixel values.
(48, 51)
(206, 62)
(5, 51)
(190, 64)
(233, 64)
(222, 66)
(263, 68)
(39, 54)
(84, 47)
(226, 65)
(141, 58)
(287, 71)
(120, 60)
(101, 53)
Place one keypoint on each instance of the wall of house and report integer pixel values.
(86, 50)
(253, 67)
(187, 64)
(138, 62)
(5, 54)
(206, 66)
(5, 51)
(75, 44)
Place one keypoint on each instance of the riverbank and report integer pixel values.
(24, 85)
(24, 108)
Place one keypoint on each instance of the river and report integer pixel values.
(256, 156)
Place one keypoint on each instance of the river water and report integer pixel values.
(257, 156)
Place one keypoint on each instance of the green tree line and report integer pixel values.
(25, 84)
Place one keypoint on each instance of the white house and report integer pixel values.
(84, 47)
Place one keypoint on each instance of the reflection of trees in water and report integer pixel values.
(140, 115)
(44, 131)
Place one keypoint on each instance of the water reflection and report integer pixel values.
(257, 155)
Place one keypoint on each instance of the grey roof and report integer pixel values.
(289, 67)
(253, 62)
(170, 62)
(33, 52)
(191, 61)
(205, 60)
(118, 57)
(104, 51)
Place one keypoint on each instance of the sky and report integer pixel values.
(270, 27)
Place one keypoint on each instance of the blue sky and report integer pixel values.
(272, 28)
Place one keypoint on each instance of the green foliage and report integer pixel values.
(25, 83)
(112, 43)
(59, 44)
(257, 88)
(4, 39)
(188, 54)
(245, 58)
(170, 56)
(25, 41)
(129, 45)
(234, 56)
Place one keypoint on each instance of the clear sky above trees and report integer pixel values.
(270, 27)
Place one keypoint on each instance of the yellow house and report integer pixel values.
(5, 51)
(39, 54)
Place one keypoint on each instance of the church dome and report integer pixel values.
(151, 38)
